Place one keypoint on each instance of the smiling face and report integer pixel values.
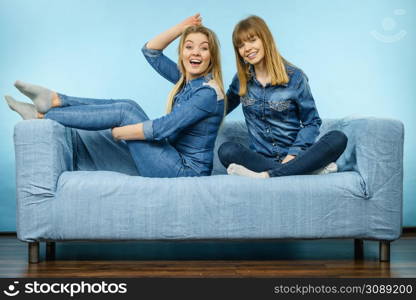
(252, 50)
(254, 45)
(196, 56)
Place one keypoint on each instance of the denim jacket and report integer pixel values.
(281, 119)
(192, 125)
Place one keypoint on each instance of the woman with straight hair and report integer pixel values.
(178, 144)
(281, 116)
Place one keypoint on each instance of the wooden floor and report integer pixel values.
(291, 258)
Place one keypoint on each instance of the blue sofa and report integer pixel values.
(82, 185)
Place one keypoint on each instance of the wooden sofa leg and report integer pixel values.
(50, 250)
(358, 249)
(33, 249)
(384, 251)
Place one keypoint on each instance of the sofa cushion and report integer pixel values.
(110, 205)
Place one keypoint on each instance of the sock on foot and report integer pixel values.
(41, 97)
(330, 168)
(26, 110)
(235, 169)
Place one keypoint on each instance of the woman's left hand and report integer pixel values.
(288, 158)
(128, 132)
(115, 133)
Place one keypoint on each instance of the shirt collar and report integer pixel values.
(198, 81)
(252, 74)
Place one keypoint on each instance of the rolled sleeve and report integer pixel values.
(294, 151)
(151, 52)
(148, 130)
(162, 64)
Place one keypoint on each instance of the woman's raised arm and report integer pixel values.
(162, 40)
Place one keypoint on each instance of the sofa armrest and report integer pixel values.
(375, 151)
(377, 145)
(43, 151)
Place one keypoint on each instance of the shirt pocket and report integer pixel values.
(280, 105)
(247, 101)
(280, 108)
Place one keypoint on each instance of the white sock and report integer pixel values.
(234, 169)
(330, 168)
(26, 110)
(41, 97)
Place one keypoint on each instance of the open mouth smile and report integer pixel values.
(195, 62)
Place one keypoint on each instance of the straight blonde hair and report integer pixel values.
(275, 63)
(214, 66)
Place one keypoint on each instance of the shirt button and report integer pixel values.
(268, 130)
(274, 144)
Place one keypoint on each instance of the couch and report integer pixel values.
(83, 185)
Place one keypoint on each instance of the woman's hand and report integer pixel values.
(194, 20)
(128, 132)
(162, 40)
(115, 132)
(288, 158)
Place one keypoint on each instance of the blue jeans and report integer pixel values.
(328, 149)
(152, 159)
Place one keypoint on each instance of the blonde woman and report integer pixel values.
(177, 144)
(281, 116)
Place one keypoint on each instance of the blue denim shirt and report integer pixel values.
(192, 125)
(281, 119)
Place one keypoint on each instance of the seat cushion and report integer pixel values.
(109, 205)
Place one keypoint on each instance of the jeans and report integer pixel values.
(152, 159)
(328, 149)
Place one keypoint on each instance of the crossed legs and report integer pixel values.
(242, 161)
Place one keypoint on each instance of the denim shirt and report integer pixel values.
(192, 125)
(281, 119)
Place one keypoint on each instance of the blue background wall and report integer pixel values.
(359, 56)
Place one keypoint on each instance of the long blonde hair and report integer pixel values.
(275, 63)
(214, 66)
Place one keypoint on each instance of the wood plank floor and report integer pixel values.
(290, 258)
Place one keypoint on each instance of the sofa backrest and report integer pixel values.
(98, 151)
